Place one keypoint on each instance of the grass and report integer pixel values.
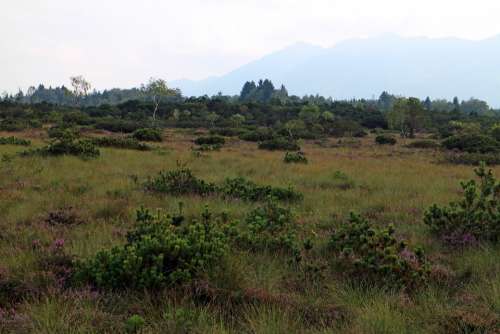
(388, 184)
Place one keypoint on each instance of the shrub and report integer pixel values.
(120, 142)
(295, 157)
(179, 182)
(472, 143)
(476, 217)
(385, 140)
(242, 188)
(63, 216)
(495, 132)
(360, 134)
(148, 134)
(259, 135)
(206, 147)
(374, 254)
(424, 144)
(134, 324)
(228, 132)
(61, 131)
(210, 140)
(14, 141)
(279, 143)
(118, 125)
(269, 227)
(475, 159)
(158, 252)
(67, 145)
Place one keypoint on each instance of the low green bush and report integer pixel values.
(385, 140)
(295, 157)
(424, 144)
(279, 144)
(148, 134)
(210, 140)
(159, 252)
(475, 159)
(258, 135)
(68, 144)
(268, 228)
(228, 132)
(472, 143)
(121, 142)
(14, 141)
(179, 182)
(375, 255)
(118, 125)
(475, 218)
(241, 188)
(62, 130)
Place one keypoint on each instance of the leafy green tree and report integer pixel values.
(157, 90)
(81, 88)
(310, 113)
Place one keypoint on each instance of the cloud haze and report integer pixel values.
(122, 43)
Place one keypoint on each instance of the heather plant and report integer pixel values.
(14, 141)
(121, 142)
(279, 144)
(180, 181)
(375, 255)
(147, 134)
(476, 217)
(385, 140)
(159, 252)
(295, 157)
(241, 188)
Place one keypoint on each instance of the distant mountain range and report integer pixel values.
(363, 68)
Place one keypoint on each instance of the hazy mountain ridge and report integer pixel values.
(363, 68)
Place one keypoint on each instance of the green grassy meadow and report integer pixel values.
(386, 184)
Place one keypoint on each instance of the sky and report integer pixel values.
(122, 43)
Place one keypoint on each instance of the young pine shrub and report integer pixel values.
(423, 144)
(67, 144)
(179, 182)
(295, 157)
(377, 256)
(385, 140)
(269, 227)
(475, 218)
(14, 141)
(161, 251)
(474, 159)
(121, 142)
(210, 140)
(241, 188)
(472, 143)
(147, 134)
(279, 144)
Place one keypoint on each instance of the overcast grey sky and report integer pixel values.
(121, 43)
